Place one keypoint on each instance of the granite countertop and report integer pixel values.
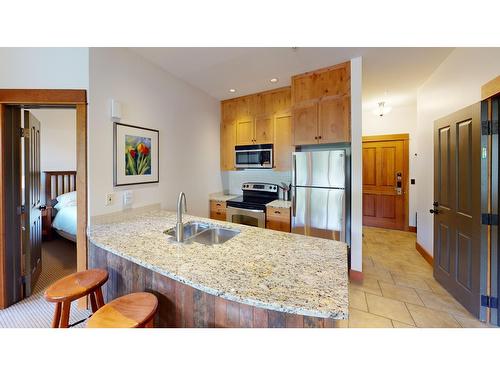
(278, 203)
(264, 268)
(221, 197)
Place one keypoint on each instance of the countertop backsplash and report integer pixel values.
(232, 180)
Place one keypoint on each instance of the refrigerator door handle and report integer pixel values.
(294, 170)
(294, 200)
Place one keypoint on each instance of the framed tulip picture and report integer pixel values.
(136, 158)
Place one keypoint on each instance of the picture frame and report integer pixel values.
(135, 155)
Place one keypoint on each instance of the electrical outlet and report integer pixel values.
(109, 199)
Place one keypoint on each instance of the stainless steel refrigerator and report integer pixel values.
(319, 194)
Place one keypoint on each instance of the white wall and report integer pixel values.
(57, 140)
(188, 121)
(400, 120)
(47, 68)
(356, 166)
(455, 84)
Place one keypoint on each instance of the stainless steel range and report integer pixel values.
(250, 208)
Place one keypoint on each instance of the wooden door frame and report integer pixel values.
(405, 137)
(48, 98)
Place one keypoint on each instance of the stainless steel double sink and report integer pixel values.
(204, 233)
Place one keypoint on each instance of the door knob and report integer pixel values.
(435, 211)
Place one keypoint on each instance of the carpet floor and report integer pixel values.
(58, 260)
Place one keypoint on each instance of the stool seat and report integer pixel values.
(134, 310)
(76, 285)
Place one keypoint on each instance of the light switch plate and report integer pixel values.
(128, 198)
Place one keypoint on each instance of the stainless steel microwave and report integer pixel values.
(254, 156)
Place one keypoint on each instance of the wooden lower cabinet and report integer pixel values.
(182, 306)
(278, 219)
(218, 210)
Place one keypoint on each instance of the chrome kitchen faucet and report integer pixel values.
(180, 226)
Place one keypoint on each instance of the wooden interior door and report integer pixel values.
(245, 131)
(305, 124)
(334, 119)
(33, 223)
(385, 166)
(457, 205)
(264, 129)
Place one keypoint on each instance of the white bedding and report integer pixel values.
(65, 220)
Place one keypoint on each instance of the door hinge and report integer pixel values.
(494, 127)
(489, 219)
(488, 301)
(25, 132)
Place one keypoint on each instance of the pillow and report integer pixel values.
(66, 200)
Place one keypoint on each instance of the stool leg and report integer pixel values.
(100, 299)
(93, 302)
(57, 315)
(66, 307)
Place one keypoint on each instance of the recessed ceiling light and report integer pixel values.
(274, 80)
(232, 90)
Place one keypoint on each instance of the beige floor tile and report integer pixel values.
(429, 318)
(378, 273)
(442, 302)
(357, 299)
(362, 319)
(394, 252)
(397, 324)
(410, 281)
(436, 287)
(388, 308)
(400, 293)
(368, 284)
(470, 323)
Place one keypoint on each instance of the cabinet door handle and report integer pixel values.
(277, 212)
(319, 137)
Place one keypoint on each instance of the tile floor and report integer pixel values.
(398, 289)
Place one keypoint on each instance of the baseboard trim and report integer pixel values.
(412, 229)
(355, 276)
(424, 253)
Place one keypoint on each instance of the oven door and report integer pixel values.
(254, 218)
(262, 158)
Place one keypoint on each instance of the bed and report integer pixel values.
(60, 200)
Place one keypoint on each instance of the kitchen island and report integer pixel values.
(259, 278)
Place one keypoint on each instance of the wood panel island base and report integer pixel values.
(256, 278)
(182, 306)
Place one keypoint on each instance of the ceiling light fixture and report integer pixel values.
(382, 109)
(274, 80)
(232, 90)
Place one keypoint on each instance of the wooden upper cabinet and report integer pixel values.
(245, 134)
(227, 143)
(334, 80)
(244, 107)
(264, 129)
(321, 105)
(250, 120)
(283, 141)
(263, 104)
(334, 119)
(305, 123)
(227, 135)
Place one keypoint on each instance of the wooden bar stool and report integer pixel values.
(73, 287)
(136, 310)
